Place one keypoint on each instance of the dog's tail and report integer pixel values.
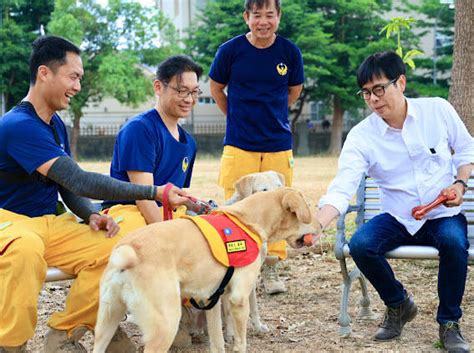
(124, 257)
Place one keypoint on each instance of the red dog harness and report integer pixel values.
(230, 241)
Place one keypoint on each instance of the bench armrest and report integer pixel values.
(341, 231)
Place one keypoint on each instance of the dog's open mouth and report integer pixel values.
(305, 240)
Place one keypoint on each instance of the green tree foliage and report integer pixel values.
(432, 75)
(395, 25)
(20, 22)
(353, 26)
(116, 42)
(334, 37)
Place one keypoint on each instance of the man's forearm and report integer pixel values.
(67, 173)
(219, 95)
(150, 211)
(80, 206)
(464, 172)
(221, 101)
(294, 93)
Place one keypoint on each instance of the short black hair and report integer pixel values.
(259, 4)
(386, 63)
(175, 66)
(50, 51)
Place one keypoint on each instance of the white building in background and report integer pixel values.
(181, 12)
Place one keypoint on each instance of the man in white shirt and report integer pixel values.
(405, 146)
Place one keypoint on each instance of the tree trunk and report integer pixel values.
(76, 129)
(336, 127)
(462, 75)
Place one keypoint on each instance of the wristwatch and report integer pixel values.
(463, 183)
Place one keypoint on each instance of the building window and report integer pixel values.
(206, 100)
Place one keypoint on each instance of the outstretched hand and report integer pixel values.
(103, 222)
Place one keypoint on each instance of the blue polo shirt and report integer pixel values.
(145, 144)
(257, 92)
(27, 142)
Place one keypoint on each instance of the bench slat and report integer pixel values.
(412, 252)
(55, 274)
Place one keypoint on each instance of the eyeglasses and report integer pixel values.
(184, 93)
(377, 90)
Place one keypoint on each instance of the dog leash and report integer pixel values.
(168, 212)
(205, 208)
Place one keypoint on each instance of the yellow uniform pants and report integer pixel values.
(29, 245)
(236, 163)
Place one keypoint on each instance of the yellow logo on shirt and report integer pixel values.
(185, 164)
(282, 69)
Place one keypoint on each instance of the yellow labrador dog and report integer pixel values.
(152, 268)
(193, 321)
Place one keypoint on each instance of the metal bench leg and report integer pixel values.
(344, 318)
(365, 312)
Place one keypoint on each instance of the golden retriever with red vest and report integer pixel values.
(152, 268)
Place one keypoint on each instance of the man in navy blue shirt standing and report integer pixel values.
(263, 74)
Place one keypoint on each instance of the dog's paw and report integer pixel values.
(229, 338)
(258, 327)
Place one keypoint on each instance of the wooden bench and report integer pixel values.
(367, 206)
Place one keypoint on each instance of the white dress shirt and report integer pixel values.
(410, 165)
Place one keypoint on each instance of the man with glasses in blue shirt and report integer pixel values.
(405, 146)
(152, 148)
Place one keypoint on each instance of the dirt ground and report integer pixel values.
(305, 319)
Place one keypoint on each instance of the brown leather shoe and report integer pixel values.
(395, 319)
(451, 338)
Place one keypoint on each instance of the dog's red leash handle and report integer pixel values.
(419, 212)
(203, 206)
(167, 211)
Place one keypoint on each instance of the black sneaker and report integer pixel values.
(451, 338)
(395, 319)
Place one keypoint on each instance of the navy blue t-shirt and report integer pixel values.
(257, 92)
(27, 142)
(145, 144)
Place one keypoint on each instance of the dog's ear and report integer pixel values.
(295, 202)
(244, 186)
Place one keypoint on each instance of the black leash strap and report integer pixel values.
(213, 299)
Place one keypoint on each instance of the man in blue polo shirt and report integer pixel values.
(263, 73)
(151, 148)
(35, 165)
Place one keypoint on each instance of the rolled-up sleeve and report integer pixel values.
(353, 163)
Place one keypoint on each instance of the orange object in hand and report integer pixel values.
(419, 212)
